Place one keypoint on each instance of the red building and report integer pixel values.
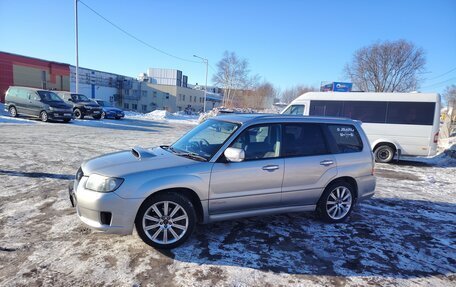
(17, 70)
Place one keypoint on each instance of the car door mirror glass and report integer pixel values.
(234, 154)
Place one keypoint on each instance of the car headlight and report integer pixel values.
(51, 108)
(102, 183)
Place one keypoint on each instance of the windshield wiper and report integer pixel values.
(192, 155)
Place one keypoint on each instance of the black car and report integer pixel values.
(82, 106)
(109, 111)
(39, 103)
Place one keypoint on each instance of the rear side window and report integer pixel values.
(303, 139)
(294, 110)
(23, 94)
(346, 137)
(407, 113)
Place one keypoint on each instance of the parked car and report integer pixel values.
(109, 111)
(39, 103)
(82, 106)
(228, 167)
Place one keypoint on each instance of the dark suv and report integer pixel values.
(43, 104)
(82, 106)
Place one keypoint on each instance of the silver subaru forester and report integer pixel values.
(225, 168)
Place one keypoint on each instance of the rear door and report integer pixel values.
(34, 104)
(309, 164)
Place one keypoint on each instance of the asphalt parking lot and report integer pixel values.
(404, 236)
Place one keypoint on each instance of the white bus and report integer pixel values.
(395, 123)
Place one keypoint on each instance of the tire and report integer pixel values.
(13, 112)
(78, 114)
(44, 116)
(384, 154)
(336, 202)
(97, 117)
(160, 223)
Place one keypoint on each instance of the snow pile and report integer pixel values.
(222, 110)
(163, 115)
(447, 158)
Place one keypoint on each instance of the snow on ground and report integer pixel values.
(404, 236)
(162, 115)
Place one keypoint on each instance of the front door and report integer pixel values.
(254, 183)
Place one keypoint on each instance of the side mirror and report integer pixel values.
(234, 154)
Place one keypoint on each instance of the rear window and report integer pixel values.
(346, 137)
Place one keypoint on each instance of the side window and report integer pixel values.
(33, 96)
(12, 92)
(303, 139)
(368, 112)
(259, 142)
(346, 137)
(294, 110)
(408, 113)
(23, 94)
(326, 108)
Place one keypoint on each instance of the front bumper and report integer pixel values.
(92, 112)
(92, 206)
(59, 115)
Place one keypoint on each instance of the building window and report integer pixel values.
(194, 99)
(190, 98)
(144, 108)
(127, 92)
(126, 106)
(183, 97)
(144, 93)
(134, 106)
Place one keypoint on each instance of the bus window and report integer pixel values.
(326, 108)
(365, 111)
(294, 110)
(410, 113)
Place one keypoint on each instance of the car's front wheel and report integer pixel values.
(13, 111)
(337, 201)
(166, 220)
(44, 116)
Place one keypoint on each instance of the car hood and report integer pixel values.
(91, 104)
(123, 163)
(111, 109)
(59, 105)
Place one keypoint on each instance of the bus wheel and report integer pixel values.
(384, 154)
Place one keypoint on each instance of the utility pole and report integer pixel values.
(205, 87)
(76, 30)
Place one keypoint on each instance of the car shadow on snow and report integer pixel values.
(386, 237)
(37, 174)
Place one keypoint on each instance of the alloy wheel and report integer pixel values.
(339, 202)
(165, 222)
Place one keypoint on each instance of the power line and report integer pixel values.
(136, 38)
(439, 83)
(446, 73)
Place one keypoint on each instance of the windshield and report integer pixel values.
(103, 103)
(294, 110)
(206, 139)
(47, 96)
(79, 98)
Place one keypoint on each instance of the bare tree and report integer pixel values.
(450, 96)
(288, 95)
(387, 67)
(260, 97)
(233, 76)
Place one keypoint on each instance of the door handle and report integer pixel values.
(270, 167)
(326, 162)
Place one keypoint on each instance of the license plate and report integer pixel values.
(96, 112)
(67, 115)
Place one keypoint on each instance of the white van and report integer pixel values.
(395, 123)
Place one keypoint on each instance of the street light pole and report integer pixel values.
(206, 61)
(76, 30)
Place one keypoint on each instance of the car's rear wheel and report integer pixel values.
(44, 116)
(166, 220)
(384, 154)
(337, 201)
(13, 111)
(78, 114)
